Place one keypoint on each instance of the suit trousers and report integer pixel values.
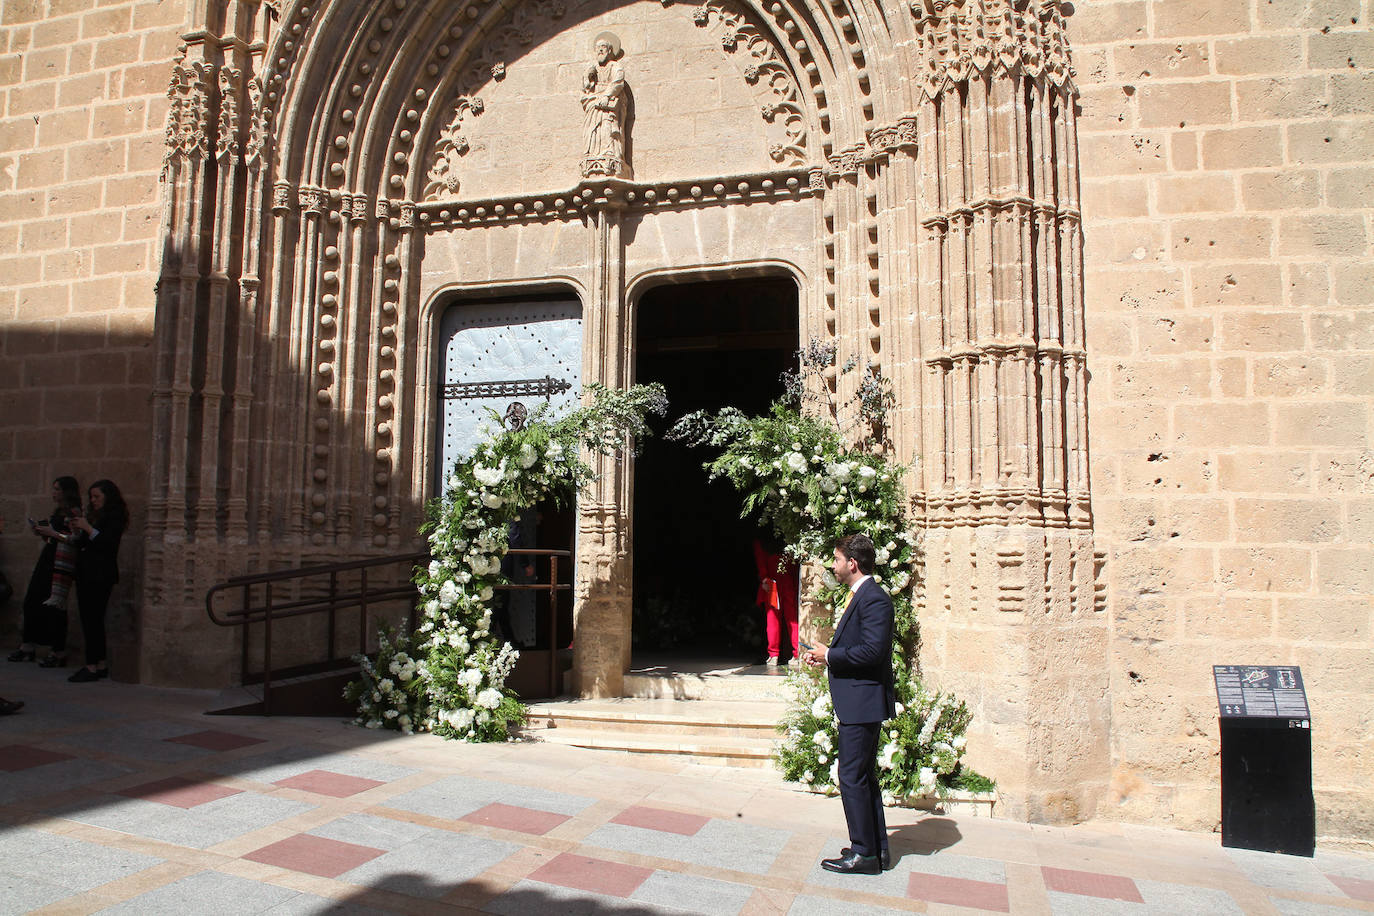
(859, 790)
(93, 598)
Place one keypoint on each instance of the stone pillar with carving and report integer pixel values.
(602, 590)
(1008, 598)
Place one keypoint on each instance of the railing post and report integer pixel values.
(243, 661)
(362, 612)
(333, 597)
(267, 652)
(553, 626)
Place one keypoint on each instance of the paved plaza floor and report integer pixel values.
(123, 799)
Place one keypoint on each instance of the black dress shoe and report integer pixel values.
(86, 675)
(854, 864)
(885, 857)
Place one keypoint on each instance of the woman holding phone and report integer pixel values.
(97, 570)
(45, 625)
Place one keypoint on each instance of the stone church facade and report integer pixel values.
(1115, 259)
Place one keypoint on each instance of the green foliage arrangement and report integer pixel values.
(813, 471)
(449, 677)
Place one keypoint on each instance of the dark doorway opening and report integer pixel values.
(711, 344)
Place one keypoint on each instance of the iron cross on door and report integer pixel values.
(506, 357)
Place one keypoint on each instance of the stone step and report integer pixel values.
(717, 732)
(708, 685)
(709, 750)
(734, 718)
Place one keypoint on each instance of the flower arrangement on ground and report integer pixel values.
(814, 471)
(449, 677)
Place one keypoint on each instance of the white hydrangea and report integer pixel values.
(448, 594)
(489, 698)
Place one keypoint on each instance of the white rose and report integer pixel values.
(487, 476)
(528, 456)
(796, 461)
(492, 501)
(434, 569)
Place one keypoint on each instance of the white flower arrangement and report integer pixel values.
(812, 476)
(450, 676)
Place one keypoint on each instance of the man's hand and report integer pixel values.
(816, 657)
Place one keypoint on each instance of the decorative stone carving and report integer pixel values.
(779, 185)
(960, 38)
(227, 135)
(603, 106)
(442, 177)
(188, 115)
(767, 67)
(254, 153)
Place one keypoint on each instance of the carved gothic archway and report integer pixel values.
(320, 150)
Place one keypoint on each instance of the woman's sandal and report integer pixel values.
(23, 655)
(54, 661)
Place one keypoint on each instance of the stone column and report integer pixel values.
(1010, 618)
(602, 586)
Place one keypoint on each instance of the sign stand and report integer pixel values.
(1266, 759)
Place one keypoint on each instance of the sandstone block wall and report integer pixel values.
(82, 86)
(1227, 191)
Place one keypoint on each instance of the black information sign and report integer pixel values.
(1261, 692)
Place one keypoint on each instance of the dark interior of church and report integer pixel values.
(711, 344)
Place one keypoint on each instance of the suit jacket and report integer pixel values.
(859, 660)
(97, 557)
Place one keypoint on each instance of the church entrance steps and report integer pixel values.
(717, 732)
(726, 680)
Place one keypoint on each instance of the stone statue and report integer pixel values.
(604, 105)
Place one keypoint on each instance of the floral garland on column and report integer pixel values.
(449, 677)
(794, 469)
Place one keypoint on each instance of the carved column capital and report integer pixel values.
(281, 197)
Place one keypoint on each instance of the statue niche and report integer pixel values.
(605, 104)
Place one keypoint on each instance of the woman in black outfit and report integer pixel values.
(97, 571)
(46, 626)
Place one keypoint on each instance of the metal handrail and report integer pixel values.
(333, 601)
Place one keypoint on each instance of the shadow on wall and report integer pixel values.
(74, 400)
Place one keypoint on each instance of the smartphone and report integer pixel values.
(806, 646)
(32, 523)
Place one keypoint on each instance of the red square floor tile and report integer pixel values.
(314, 855)
(982, 895)
(215, 741)
(16, 757)
(323, 782)
(658, 819)
(509, 817)
(1358, 888)
(1091, 884)
(183, 793)
(595, 875)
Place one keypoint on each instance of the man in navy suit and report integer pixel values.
(859, 666)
